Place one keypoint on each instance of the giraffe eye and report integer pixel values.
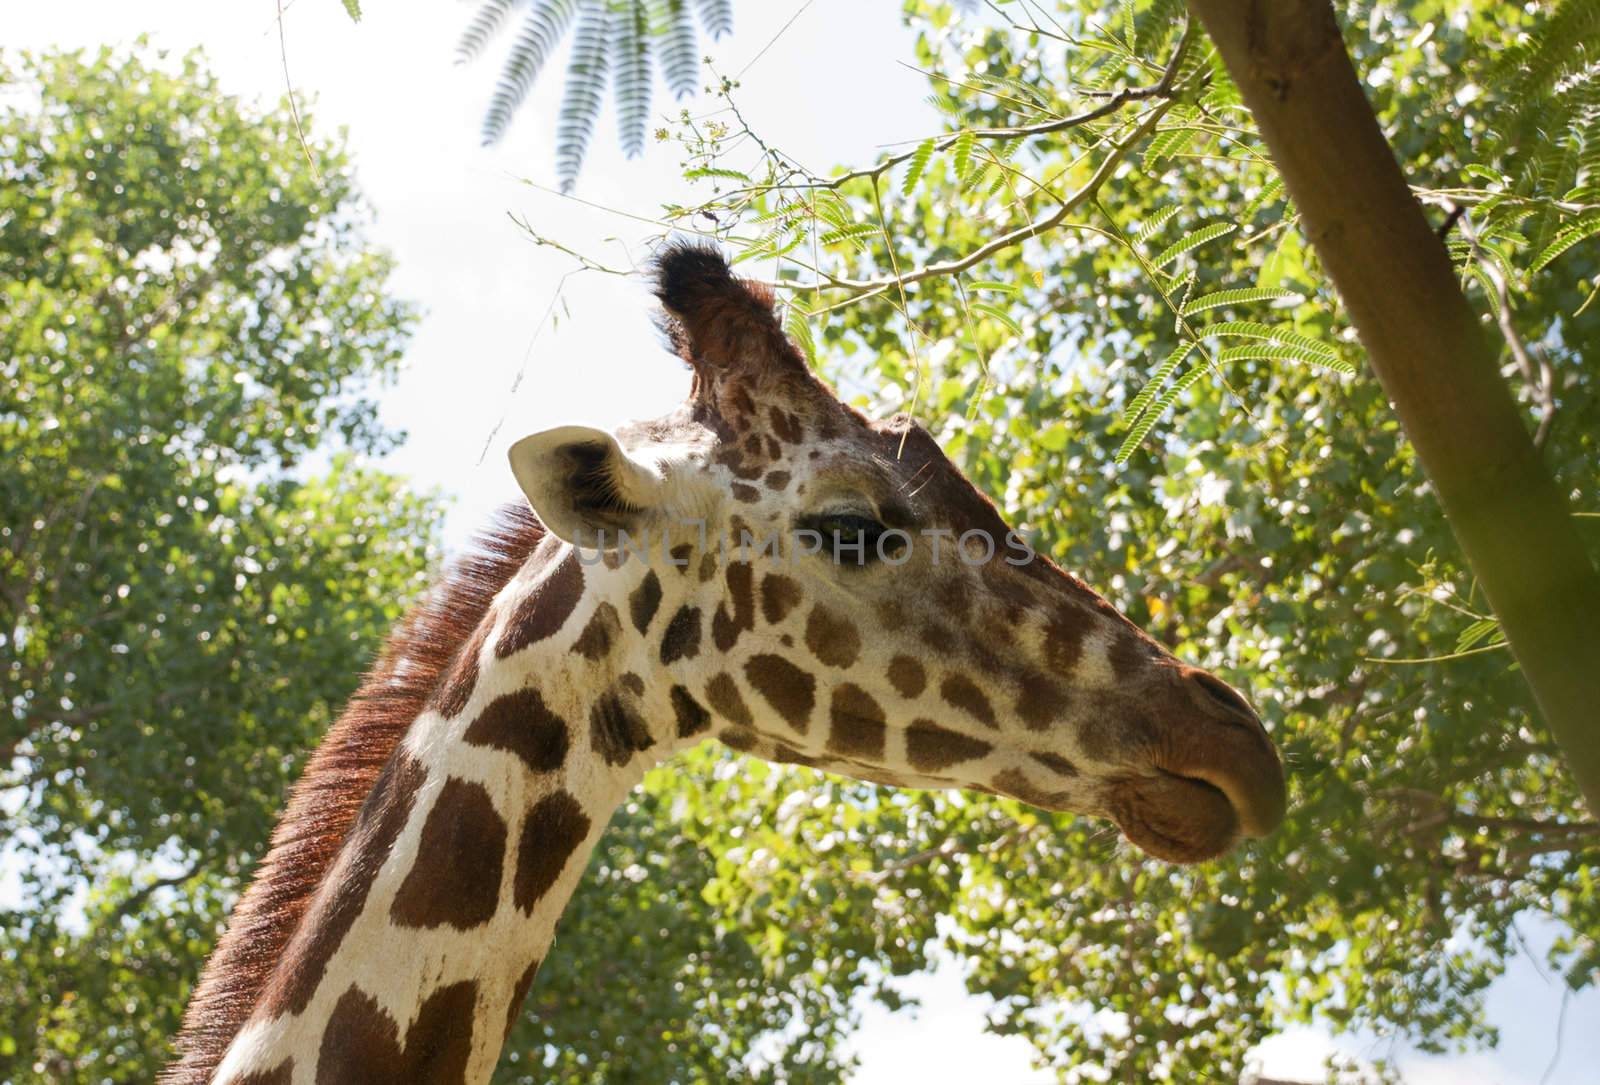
(852, 539)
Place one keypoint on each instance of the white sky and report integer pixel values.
(823, 94)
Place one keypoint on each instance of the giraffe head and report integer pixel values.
(817, 588)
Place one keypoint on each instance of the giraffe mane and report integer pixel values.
(329, 795)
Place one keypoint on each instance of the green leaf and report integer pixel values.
(1244, 296)
(961, 158)
(1284, 352)
(797, 323)
(915, 166)
(1566, 237)
(1193, 241)
(1156, 221)
(1485, 629)
(352, 8)
(1269, 192)
(854, 233)
(716, 171)
(1249, 329)
(996, 313)
(1132, 413)
(1141, 428)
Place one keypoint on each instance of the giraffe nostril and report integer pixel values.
(1223, 696)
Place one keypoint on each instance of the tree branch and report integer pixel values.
(1005, 241)
(1428, 350)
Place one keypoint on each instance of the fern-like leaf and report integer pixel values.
(1141, 429)
(352, 8)
(1283, 352)
(1566, 237)
(484, 24)
(716, 16)
(1193, 241)
(1156, 222)
(1141, 402)
(1248, 295)
(541, 31)
(961, 154)
(631, 83)
(916, 167)
(1250, 329)
(798, 324)
(584, 92)
(680, 52)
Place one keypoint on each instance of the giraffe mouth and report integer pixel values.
(1177, 818)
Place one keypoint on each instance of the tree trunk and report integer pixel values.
(1428, 349)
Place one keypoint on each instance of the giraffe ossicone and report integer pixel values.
(763, 566)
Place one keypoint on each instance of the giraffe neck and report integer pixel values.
(422, 940)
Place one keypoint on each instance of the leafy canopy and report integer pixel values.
(195, 564)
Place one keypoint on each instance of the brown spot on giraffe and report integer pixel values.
(777, 480)
(1063, 640)
(455, 880)
(644, 601)
(931, 748)
(779, 595)
(738, 738)
(281, 1074)
(786, 688)
(955, 598)
(1015, 783)
(545, 609)
(350, 880)
(601, 632)
(551, 832)
(892, 616)
(519, 995)
(728, 624)
(521, 724)
(616, 729)
(361, 1044)
(722, 692)
(1042, 701)
(456, 690)
(1129, 653)
(785, 425)
(832, 637)
(680, 557)
(961, 692)
(692, 717)
(682, 638)
(907, 676)
(857, 728)
(1055, 763)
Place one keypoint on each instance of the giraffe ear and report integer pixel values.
(584, 487)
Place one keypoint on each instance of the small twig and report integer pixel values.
(1005, 241)
(294, 106)
(1540, 381)
(784, 29)
(1450, 220)
(1561, 1028)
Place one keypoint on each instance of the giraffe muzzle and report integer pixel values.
(1216, 776)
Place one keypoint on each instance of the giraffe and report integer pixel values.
(877, 618)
